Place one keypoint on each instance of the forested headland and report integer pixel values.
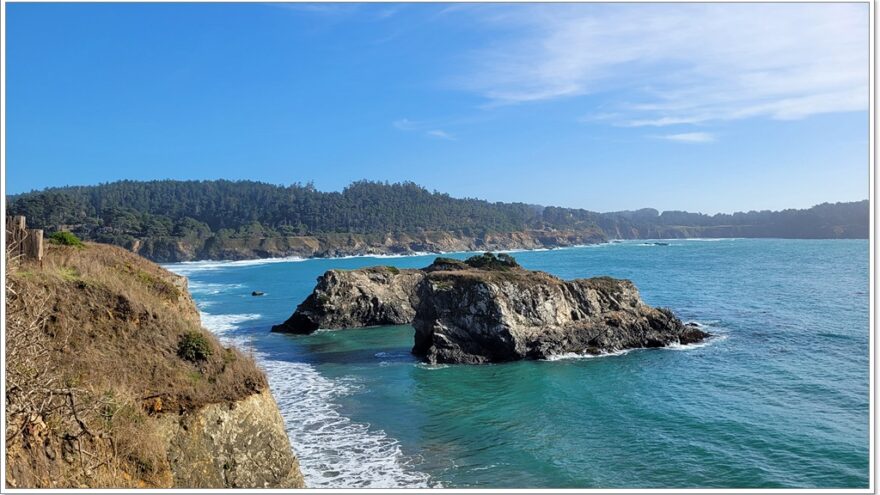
(172, 220)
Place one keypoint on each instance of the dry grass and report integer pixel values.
(92, 355)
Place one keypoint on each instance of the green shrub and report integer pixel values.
(65, 239)
(393, 269)
(194, 346)
(489, 261)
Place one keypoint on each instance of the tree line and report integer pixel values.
(119, 212)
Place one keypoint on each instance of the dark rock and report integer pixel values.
(381, 295)
(489, 309)
(258, 293)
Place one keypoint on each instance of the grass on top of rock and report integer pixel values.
(490, 261)
(95, 346)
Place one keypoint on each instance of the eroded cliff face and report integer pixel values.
(489, 309)
(112, 382)
(237, 445)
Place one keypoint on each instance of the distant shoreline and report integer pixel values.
(286, 259)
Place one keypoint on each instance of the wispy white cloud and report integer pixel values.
(440, 134)
(405, 125)
(422, 127)
(689, 137)
(680, 64)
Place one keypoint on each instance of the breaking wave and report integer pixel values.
(333, 450)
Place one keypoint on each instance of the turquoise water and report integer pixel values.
(778, 399)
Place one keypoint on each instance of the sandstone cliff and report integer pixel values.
(489, 309)
(111, 382)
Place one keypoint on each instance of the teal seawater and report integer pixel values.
(779, 398)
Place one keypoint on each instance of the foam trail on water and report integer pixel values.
(717, 335)
(333, 450)
(189, 267)
(196, 287)
(575, 355)
(220, 325)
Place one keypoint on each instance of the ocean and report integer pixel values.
(778, 398)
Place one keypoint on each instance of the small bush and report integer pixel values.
(489, 261)
(65, 239)
(194, 346)
(393, 269)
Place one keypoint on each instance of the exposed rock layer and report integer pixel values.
(491, 310)
(238, 445)
(171, 249)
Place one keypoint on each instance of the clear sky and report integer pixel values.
(709, 108)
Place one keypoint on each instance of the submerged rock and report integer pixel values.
(489, 309)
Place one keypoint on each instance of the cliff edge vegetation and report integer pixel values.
(112, 382)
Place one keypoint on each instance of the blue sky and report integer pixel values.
(709, 108)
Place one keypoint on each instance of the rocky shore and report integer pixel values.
(172, 249)
(489, 309)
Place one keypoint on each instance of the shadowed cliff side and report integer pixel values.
(112, 382)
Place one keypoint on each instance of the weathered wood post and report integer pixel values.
(21, 241)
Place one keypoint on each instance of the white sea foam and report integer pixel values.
(575, 355)
(717, 335)
(189, 267)
(222, 324)
(714, 339)
(196, 287)
(333, 450)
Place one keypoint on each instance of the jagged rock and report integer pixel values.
(477, 316)
(381, 295)
(489, 309)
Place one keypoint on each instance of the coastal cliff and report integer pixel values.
(169, 249)
(112, 382)
(489, 309)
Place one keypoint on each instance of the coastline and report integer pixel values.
(610, 242)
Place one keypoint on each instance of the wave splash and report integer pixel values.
(333, 450)
(717, 335)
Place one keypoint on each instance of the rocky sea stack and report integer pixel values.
(489, 309)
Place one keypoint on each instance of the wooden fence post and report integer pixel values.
(26, 243)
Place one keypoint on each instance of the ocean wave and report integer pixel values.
(221, 324)
(196, 287)
(714, 339)
(333, 450)
(576, 355)
(189, 267)
(717, 335)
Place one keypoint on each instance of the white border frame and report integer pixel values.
(872, 292)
